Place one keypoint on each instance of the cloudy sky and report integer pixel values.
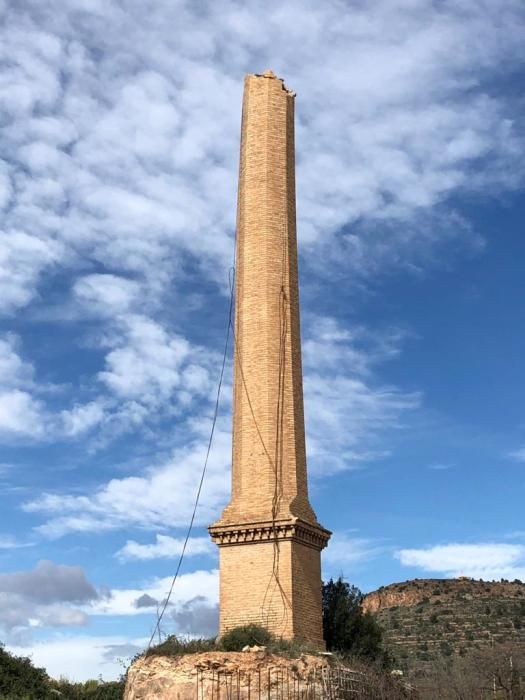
(119, 150)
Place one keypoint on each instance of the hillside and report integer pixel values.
(425, 620)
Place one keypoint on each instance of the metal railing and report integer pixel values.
(280, 683)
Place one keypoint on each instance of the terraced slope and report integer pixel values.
(427, 619)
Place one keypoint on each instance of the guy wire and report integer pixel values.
(203, 474)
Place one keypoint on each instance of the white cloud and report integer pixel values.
(123, 601)
(10, 542)
(328, 345)
(349, 413)
(106, 294)
(165, 547)
(125, 161)
(147, 362)
(440, 466)
(347, 408)
(147, 370)
(14, 371)
(345, 552)
(23, 258)
(484, 560)
(21, 414)
(162, 498)
(60, 616)
(128, 157)
(518, 455)
(81, 418)
(81, 657)
(193, 604)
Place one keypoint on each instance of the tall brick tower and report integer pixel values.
(269, 538)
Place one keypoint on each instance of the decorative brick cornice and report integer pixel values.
(297, 530)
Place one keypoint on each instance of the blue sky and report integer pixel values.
(119, 153)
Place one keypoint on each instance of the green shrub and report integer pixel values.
(90, 690)
(178, 646)
(247, 635)
(445, 649)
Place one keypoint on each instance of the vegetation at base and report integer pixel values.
(255, 635)
(234, 640)
(20, 680)
(247, 635)
(177, 646)
(347, 629)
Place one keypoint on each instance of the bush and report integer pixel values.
(90, 690)
(234, 640)
(176, 646)
(445, 648)
(247, 635)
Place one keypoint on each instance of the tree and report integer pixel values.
(19, 678)
(347, 629)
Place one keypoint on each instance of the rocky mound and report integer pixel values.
(220, 674)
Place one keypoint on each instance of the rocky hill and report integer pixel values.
(428, 619)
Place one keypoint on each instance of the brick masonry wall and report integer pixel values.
(268, 422)
(274, 585)
(269, 475)
(306, 593)
(248, 589)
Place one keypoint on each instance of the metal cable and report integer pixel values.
(201, 482)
